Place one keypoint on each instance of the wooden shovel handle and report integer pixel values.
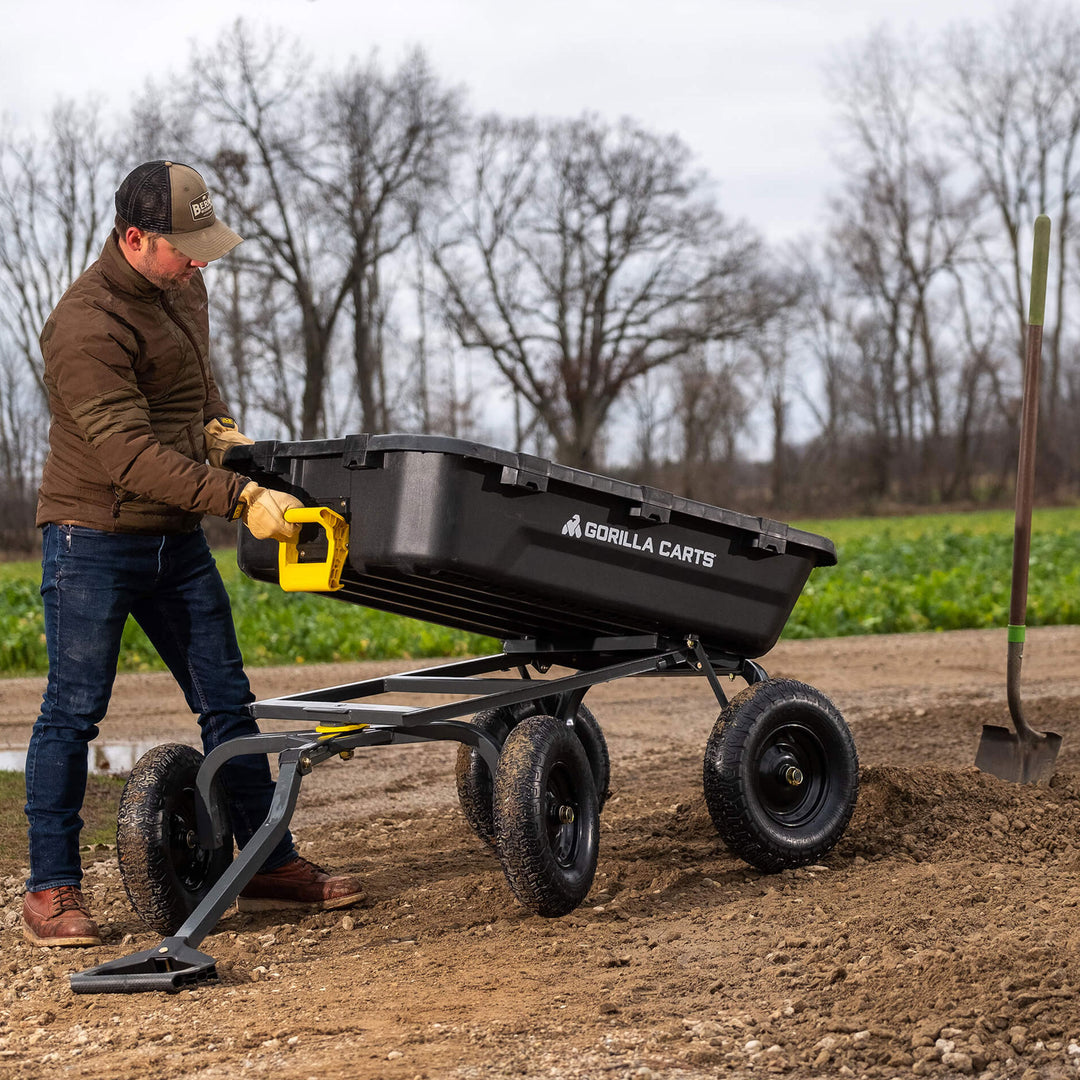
(1029, 417)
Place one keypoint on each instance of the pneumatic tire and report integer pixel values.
(591, 737)
(781, 775)
(474, 783)
(165, 871)
(547, 821)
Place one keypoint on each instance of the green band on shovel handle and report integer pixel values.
(1040, 259)
(1016, 634)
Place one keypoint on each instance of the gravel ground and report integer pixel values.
(939, 937)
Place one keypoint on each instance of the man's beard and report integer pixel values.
(170, 283)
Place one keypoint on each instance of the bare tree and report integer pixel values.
(773, 346)
(827, 340)
(1013, 97)
(652, 423)
(248, 117)
(981, 401)
(390, 141)
(327, 176)
(55, 194)
(55, 191)
(709, 411)
(900, 227)
(583, 255)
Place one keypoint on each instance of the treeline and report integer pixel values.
(573, 288)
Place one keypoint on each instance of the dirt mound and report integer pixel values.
(926, 814)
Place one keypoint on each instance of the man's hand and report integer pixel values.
(221, 433)
(262, 510)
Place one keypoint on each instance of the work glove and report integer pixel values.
(262, 510)
(221, 433)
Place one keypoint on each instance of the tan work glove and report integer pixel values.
(262, 510)
(221, 433)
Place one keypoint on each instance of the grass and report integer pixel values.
(938, 572)
(98, 814)
(273, 627)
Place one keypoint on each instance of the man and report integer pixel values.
(135, 417)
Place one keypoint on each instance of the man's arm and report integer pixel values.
(92, 374)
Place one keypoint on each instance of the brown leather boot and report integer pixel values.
(299, 883)
(58, 916)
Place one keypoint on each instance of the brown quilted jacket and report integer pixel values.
(128, 373)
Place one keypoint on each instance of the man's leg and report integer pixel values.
(188, 619)
(190, 623)
(85, 611)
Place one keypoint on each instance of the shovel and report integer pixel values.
(1024, 756)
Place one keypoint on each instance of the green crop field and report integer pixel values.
(273, 627)
(895, 575)
(938, 572)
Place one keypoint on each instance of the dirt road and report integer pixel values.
(942, 935)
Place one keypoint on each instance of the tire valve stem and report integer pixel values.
(566, 815)
(793, 775)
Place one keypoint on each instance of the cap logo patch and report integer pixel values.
(202, 207)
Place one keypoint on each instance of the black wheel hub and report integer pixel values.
(792, 774)
(189, 861)
(561, 817)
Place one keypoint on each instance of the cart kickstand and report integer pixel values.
(749, 670)
(704, 665)
(176, 963)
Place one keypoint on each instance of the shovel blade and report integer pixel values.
(1021, 760)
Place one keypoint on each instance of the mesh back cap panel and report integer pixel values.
(171, 198)
(143, 198)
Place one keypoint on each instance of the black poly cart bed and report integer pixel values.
(571, 571)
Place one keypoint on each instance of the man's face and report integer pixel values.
(162, 264)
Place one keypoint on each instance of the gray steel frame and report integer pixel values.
(176, 962)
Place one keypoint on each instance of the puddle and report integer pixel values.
(116, 759)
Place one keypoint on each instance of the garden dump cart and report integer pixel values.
(584, 579)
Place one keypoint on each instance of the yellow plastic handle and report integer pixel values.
(325, 576)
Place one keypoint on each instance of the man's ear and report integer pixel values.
(133, 238)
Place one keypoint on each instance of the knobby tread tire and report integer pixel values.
(548, 861)
(475, 787)
(474, 784)
(165, 878)
(591, 736)
(762, 819)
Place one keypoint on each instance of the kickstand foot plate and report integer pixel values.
(171, 967)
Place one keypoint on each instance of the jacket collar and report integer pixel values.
(122, 274)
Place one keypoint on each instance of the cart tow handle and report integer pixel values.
(297, 575)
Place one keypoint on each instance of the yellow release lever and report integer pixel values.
(325, 576)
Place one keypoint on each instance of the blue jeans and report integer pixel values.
(90, 582)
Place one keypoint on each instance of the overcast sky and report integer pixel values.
(740, 80)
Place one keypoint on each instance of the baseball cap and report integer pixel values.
(171, 198)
